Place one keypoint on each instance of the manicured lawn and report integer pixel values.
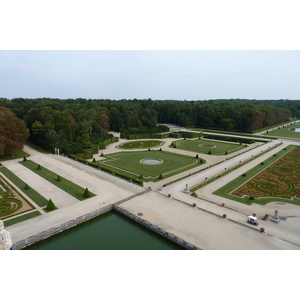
(205, 145)
(31, 193)
(18, 154)
(66, 185)
(21, 218)
(130, 163)
(140, 144)
(286, 132)
(226, 190)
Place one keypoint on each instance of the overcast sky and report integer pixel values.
(160, 74)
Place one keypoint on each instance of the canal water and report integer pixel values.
(110, 231)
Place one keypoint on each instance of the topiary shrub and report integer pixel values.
(201, 161)
(24, 158)
(251, 198)
(58, 178)
(51, 205)
(226, 152)
(94, 159)
(209, 152)
(244, 174)
(148, 149)
(262, 163)
(197, 156)
(160, 176)
(160, 149)
(39, 167)
(26, 187)
(141, 176)
(86, 193)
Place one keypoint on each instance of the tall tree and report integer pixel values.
(13, 132)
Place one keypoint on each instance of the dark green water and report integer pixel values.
(110, 231)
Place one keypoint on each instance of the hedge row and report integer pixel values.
(180, 134)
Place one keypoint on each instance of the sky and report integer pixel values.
(155, 74)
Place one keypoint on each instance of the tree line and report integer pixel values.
(74, 124)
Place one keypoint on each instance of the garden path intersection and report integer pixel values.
(202, 225)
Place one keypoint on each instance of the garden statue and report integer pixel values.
(186, 190)
(275, 218)
(5, 238)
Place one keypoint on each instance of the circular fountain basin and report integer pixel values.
(151, 161)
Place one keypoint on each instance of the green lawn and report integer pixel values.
(18, 154)
(31, 193)
(21, 218)
(286, 132)
(130, 162)
(205, 145)
(140, 144)
(66, 185)
(227, 189)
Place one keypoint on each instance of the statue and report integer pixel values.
(5, 238)
(186, 190)
(275, 218)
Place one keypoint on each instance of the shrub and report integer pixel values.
(244, 174)
(160, 176)
(197, 156)
(39, 167)
(102, 154)
(160, 149)
(262, 163)
(58, 178)
(226, 152)
(209, 152)
(26, 187)
(24, 158)
(141, 176)
(201, 161)
(148, 149)
(94, 159)
(51, 205)
(86, 193)
(274, 154)
(251, 198)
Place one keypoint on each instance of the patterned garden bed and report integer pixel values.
(281, 179)
(11, 202)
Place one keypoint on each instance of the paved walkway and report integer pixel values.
(202, 226)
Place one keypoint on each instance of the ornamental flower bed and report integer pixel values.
(281, 179)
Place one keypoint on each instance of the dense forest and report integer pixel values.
(75, 124)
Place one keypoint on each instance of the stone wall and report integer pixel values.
(157, 229)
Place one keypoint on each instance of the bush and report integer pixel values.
(197, 156)
(160, 149)
(86, 193)
(209, 152)
(251, 198)
(39, 167)
(58, 178)
(26, 187)
(94, 159)
(141, 176)
(24, 158)
(244, 174)
(148, 149)
(51, 205)
(262, 163)
(160, 176)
